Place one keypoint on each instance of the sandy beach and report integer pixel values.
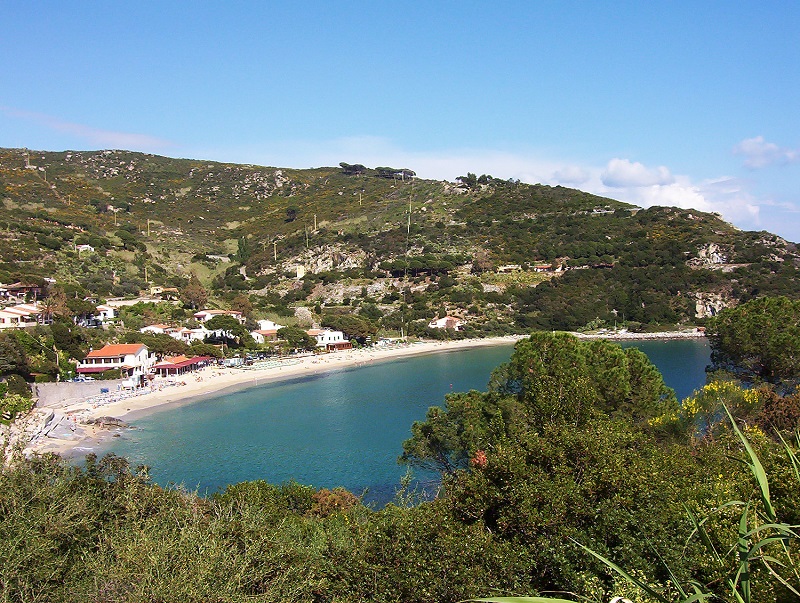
(70, 428)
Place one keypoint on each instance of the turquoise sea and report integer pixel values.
(343, 428)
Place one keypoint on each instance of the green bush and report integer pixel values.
(17, 385)
(12, 405)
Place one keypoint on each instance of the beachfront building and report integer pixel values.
(264, 335)
(206, 315)
(447, 322)
(21, 316)
(180, 365)
(267, 331)
(332, 341)
(133, 360)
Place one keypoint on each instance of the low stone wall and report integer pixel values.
(61, 394)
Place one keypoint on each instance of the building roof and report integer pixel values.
(160, 326)
(115, 350)
(218, 312)
(176, 362)
(22, 310)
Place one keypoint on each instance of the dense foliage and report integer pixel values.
(566, 446)
(759, 340)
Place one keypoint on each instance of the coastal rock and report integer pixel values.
(24, 430)
(108, 422)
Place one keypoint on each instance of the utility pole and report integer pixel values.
(315, 222)
(306, 229)
(275, 250)
(148, 229)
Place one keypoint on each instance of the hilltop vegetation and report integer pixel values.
(243, 230)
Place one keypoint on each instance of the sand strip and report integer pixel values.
(75, 436)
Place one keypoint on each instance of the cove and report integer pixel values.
(343, 428)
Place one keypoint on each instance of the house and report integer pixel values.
(105, 313)
(206, 315)
(133, 360)
(263, 335)
(159, 329)
(85, 248)
(332, 341)
(267, 325)
(189, 335)
(267, 331)
(542, 268)
(21, 316)
(447, 322)
(17, 292)
(509, 268)
(167, 293)
(179, 365)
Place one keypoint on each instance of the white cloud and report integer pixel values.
(623, 173)
(759, 153)
(94, 136)
(571, 175)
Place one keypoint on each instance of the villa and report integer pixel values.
(132, 360)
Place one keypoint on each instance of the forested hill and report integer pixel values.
(245, 230)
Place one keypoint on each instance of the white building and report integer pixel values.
(190, 335)
(268, 325)
(159, 329)
(206, 315)
(330, 340)
(132, 359)
(21, 316)
(105, 313)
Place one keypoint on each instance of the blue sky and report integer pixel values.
(694, 104)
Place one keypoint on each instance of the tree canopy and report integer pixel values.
(550, 379)
(194, 295)
(759, 339)
(297, 338)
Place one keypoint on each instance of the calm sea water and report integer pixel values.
(343, 428)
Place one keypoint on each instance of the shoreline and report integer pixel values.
(70, 429)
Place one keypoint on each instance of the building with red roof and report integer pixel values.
(132, 360)
(178, 365)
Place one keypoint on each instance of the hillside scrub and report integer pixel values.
(220, 231)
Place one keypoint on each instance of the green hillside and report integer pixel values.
(244, 230)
